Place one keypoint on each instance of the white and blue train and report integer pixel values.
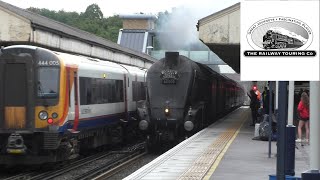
(53, 105)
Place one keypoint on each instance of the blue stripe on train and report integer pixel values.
(95, 122)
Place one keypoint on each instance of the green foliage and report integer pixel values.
(91, 20)
(93, 12)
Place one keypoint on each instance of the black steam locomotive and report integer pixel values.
(184, 97)
(274, 40)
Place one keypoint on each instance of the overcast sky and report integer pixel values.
(113, 7)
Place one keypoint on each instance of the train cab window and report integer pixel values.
(48, 82)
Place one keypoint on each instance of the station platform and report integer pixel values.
(224, 150)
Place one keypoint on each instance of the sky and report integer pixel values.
(184, 17)
(116, 7)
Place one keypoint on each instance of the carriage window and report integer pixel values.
(48, 82)
(138, 91)
(100, 91)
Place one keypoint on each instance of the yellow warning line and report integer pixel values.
(222, 153)
(202, 165)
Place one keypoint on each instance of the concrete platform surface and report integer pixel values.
(223, 151)
(247, 159)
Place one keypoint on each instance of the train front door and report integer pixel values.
(16, 92)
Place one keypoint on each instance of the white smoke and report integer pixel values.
(179, 29)
(284, 31)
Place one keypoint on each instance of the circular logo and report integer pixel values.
(279, 33)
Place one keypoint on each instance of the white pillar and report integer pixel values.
(277, 95)
(290, 102)
(119, 36)
(314, 125)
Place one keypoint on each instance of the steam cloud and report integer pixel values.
(179, 31)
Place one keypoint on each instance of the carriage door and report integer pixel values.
(72, 77)
(16, 92)
(125, 89)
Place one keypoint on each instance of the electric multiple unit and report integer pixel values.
(53, 105)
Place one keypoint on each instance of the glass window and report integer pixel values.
(100, 91)
(48, 82)
(138, 91)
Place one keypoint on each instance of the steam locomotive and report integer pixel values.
(274, 40)
(54, 105)
(183, 97)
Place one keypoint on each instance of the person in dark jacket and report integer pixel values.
(265, 100)
(254, 105)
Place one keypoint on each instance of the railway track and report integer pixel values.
(111, 168)
(112, 160)
(50, 174)
(26, 175)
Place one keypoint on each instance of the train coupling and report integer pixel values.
(16, 144)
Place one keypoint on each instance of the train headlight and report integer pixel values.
(143, 125)
(43, 115)
(166, 111)
(54, 115)
(188, 125)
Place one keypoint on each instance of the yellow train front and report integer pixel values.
(31, 106)
(52, 105)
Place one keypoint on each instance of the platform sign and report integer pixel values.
(279, 40)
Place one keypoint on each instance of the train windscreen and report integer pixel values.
(48, 82)
(47, 78)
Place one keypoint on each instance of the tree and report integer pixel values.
(93, 11)
(91, 21)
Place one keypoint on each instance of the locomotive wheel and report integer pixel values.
(280, 45)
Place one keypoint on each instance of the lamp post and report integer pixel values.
(149, 49)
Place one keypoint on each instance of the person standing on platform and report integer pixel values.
(265, 100)
(296, 113)
(256, 90)
(303, 109)
(254, 105)
(259, 98)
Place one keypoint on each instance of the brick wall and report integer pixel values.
(135, 24)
